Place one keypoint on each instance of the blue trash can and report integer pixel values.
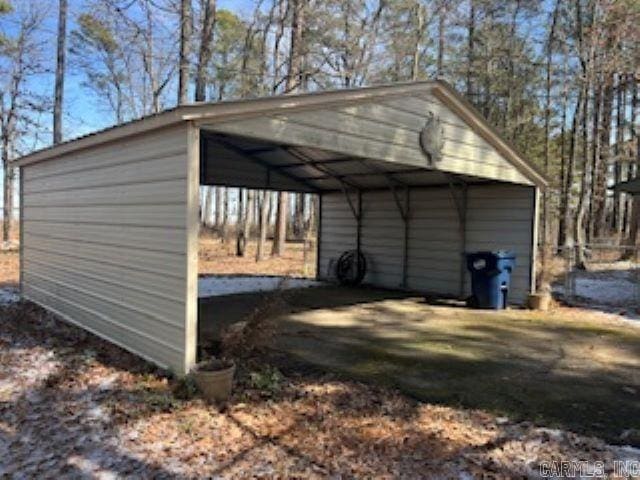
(490, 278)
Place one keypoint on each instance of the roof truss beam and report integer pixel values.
(228, 145)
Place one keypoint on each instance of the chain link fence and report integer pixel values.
(600, 275)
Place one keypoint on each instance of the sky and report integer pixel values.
(82, 111)
(82, 114)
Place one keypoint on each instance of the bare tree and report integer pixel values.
(280, 233)
(21, 55)
(420, 15)
(263, 224)
(186, 22)
(244, 234)
(471, 43)
(442, 18)
(127, 55)
(292, 85)
(204, 55)
(60, 72)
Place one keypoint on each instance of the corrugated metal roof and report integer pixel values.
(313, 169)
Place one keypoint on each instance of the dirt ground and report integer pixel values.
(9, 269)
(218, 257)
(74, 406)
(445, 393)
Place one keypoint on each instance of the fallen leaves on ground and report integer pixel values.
(218, 257)
(74, 405)
(9, 268)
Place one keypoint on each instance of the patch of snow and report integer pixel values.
(614, 285)
(108, 383)
(9, 296)
(34, 367)
(218, 285)
(97, 413)
(617, 291)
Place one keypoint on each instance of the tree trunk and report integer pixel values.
(263, 225)
(241, 239)
(246, 221)
(298, 219)
(587, 59)
(204, 56)
(208, 212)
(470, 48)
(564, 193)
(218, 222)
(271, 207)
(441, 35)
(296, 47)
(205, 205)
(9, 176)
(547, 129)
(280, 234)
(571, 164)
(635, 209)
(618, 198)
(185, 49)
(60, 72)
(415, 63)
(585, 193)
(292, 84)
(605, 155)
(225, 213)
(595, 160)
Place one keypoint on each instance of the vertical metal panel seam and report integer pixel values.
(319, 237)
(534, 239)
(192, 164)
(21, 227)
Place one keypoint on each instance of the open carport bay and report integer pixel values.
(408, 175)
(575, 371)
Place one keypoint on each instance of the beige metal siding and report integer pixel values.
(502, 217)
(383, 129)
(498, 217)
(382, 229)
(337, 232)
(434, 242)
(105, 242)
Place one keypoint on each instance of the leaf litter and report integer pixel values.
(73, 405)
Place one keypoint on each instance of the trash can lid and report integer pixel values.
(504, 254)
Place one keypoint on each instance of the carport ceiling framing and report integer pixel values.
(296, 158)
(292, 159)
(316, 170)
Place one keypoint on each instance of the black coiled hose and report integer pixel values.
(351, 268)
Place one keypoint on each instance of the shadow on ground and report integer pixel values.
(576, 374)
(75, 417)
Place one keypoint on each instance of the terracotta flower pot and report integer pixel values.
(539, 301)
(215, 384)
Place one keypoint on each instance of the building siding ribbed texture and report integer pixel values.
(498, 217)
(384, 129)
(105, 241)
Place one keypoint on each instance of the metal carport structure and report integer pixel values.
(410, 174)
